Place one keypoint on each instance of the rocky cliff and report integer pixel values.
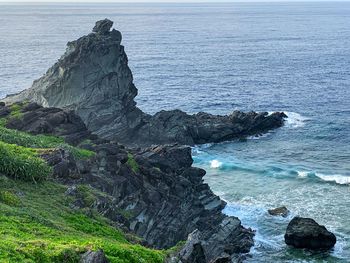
(93, 79)
(154, 192)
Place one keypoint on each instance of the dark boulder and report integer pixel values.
(307, 233)
(279, 211)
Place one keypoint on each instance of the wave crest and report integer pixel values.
(295, 120)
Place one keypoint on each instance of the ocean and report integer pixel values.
(291, 57)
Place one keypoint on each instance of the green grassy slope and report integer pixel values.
(37, 223)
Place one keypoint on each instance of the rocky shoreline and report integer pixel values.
(150, 187)
(153, 192)
(93, 78)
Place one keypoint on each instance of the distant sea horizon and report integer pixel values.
(281, 56)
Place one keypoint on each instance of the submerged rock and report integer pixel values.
(93, 79)
(280, 211)
(307, 233)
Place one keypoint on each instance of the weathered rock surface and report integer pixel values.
(279, 211)
(94, 257)
(307, 233)
(38, 120)
(160, 198)
(93, 79)
(193, 251)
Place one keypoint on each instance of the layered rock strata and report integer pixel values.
(93, 79)
(154, 193)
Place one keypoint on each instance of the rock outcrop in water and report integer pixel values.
(93, 79)
(307, 233)
(279, 211)
(153, 192)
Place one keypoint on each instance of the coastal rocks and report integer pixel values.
(179, 127)
(165, 202)
(306, 233)
(93, 79)
(35, 119)
(279, 211)
(154, 193)
(193, 252)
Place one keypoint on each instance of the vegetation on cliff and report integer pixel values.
(37, 225)
(38, 222)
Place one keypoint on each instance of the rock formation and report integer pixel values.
(154, 192)
(93, 79)
(279, 211)
(307, 233)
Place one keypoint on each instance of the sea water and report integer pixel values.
(291, 57)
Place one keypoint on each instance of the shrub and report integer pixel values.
(22, 163)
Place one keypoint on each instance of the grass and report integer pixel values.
(9, 198)
(132, 163)
(22, 163)
(25, 139)
(40, 227)
(37, 221)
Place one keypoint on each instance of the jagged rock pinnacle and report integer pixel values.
(93, 79)
(103, 26)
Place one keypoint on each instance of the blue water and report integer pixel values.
(292, 57)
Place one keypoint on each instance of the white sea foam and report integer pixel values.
(258, 137)
(295, 120)
(302, 174)
(337, 178)
(215, 164)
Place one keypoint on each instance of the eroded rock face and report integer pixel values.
(38, 120)
(93, 79)
(160, 197)
(307, 233)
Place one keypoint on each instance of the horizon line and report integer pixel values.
(166, 2)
